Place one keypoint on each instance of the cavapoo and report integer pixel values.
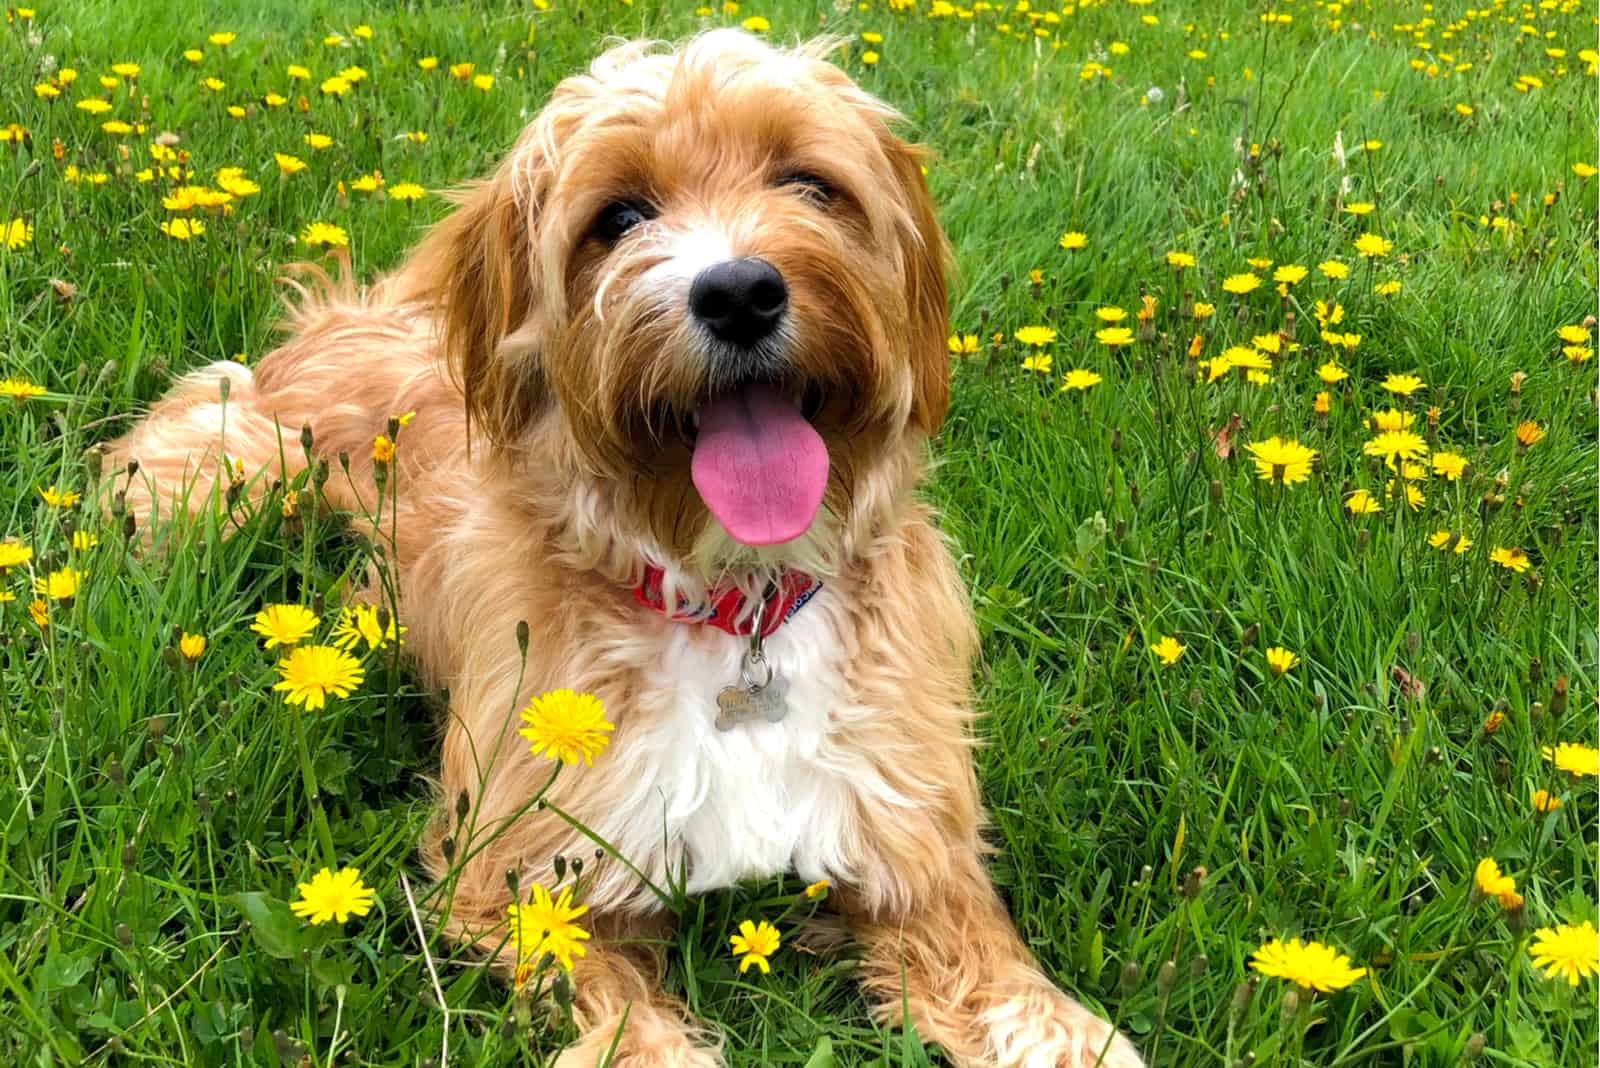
(674, 367)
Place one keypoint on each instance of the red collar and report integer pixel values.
(727, 608)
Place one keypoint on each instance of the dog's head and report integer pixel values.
(718, 271)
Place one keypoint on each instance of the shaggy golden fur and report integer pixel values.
(569, 364)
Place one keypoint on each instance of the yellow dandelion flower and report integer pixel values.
(13, 554)
(1040, 364)
(1403, 385)
(1281, 660)
(284, 624)
(547, 925)
(1567, 951)
(310, 673)
(335, 897)
(1282, 460)
(1371, 245)
(755, 945)
(1313, 965)
(324, 233)
(1168, 649)
(566, 726)
(1450, 541)
(1573, 758)
(60, 585)
(1361, 502)
(1512, 559)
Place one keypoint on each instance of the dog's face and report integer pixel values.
(719, 269)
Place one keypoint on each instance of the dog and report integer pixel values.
(674, 368)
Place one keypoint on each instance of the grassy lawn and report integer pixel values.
(1155, 823)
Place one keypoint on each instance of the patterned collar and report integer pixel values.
(727, 608)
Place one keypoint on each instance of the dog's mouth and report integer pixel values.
(757, 461)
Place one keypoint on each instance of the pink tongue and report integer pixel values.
(759, 466)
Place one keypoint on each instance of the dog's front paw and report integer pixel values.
(1046, 1029)
(659, 1046)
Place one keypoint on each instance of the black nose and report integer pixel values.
(739, 301)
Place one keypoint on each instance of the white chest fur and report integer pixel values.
(762, 797)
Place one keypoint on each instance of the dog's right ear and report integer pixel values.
(475, 269)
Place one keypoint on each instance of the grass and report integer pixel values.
(155, 816)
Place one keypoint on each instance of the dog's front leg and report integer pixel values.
(618, 1001)
(954, 963)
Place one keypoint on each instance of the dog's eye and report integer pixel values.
(620, 216)
(810, 185)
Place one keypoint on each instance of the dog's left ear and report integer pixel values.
(475, 268)
(926, 257)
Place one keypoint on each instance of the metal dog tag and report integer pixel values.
(758, 695)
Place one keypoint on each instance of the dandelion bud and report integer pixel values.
(1474, 1047)
(1241, 998)
(448, 848)
(1536, 712)
(115, 773)
(158, 728)
(1120, 530)
(1502, 770)
(1116, 441)
(1133, 493)
(1290, 1007)
(1005, 282)
(522, 637)
(305, 438)
(558, 864)
(119, 503)
(514, 883)
(1130, 978)
(463, 806)
(202, 804)
(1558, 697)
(1197, 967)
(1516, 913)
(1535, 670)
(124, 934)
(130, 855)
(1215, 490)
(1433, 757)
(224, 709)
(561, 990)
(1193, 882)
(577, 867)
(1248, 638)
(344, 461)
(1344, 807)
(1146, 873)
(1166, 978)
(1363, 538)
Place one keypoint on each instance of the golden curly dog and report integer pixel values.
(694, 329)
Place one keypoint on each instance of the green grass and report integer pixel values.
(154, 818)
